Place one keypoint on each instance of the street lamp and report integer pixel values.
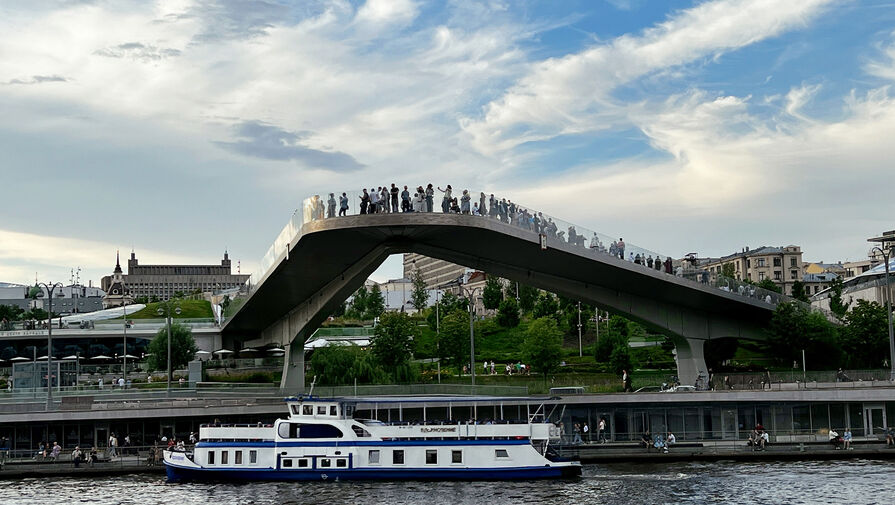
(49, 287)
(887, 254)
(470, 297)
(124, 362)
(164, 309)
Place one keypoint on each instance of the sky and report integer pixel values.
(183, 128)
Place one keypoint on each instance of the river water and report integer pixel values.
(828, 482)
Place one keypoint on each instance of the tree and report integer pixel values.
(865, 337)
(36, 313)
(183, 347)
(836, 305)
(178, 294)
(493, 293)
(393, 344)
(508, 313)
(11, 312)
(142, 300)
(358, 307)
(769, 285)
(340, 365)
(542, 347)
(375, 303)
(617, 334)
(620, 359)
(794, 328)
(728, 270)
(453, 341)
(527, 297)
(798, 292)
(546, 306)
(419, 296)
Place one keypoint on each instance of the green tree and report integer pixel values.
(492, 295)
(527, 297)
(142, 300)
(508, 313)
(358, 307)
(375, 302)
(36, 313)
(620, 359)
(542, 347)
(798, 292)
(865, 337)
(836, 305)
(617, 335)
(178, 294)
(770, 285)
(546, 306)
(794, 328)
(728, 270)
(393, 344)
(341, 365)
(11, 312)
(453, 341)
(183, 347)
(419, 296)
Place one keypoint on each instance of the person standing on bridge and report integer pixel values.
(405, 200)
(482, 203)
(446, 200)
(430, 198)
(464, 202)
(331, 206)
(492, 209)
(394, 191)
(343, 205)
(364, 202)
(383, 199)
(374, 201)
(419, 201)
(621, 248)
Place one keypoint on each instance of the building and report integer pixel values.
(118, 293)
(435, 272)
(71, 299)
(815, 283)
(162, 281)
(783, 265)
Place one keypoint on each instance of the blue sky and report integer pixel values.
(181, 128)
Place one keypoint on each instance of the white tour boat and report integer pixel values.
(321, 440)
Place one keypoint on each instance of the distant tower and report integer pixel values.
(226, 261)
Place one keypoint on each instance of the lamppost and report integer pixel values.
(49, 287)
(580, 349)
(470, 297)
(164, 309)
(124, 359)
(888, 236)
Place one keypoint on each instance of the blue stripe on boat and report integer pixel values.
(367, 443)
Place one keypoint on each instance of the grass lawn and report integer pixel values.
(190, 309)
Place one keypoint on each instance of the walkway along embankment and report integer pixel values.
(614, 452)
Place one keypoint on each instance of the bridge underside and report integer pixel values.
(334, 257)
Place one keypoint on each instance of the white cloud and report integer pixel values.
(572, 94)
(379, 14)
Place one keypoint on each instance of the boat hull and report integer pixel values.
(184, 474)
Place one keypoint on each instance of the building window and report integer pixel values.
(374, 457)
(748, 263)
(761, 276)
(456, 456)
(792, 262)
(778, 262)
(816, 289)
(431, 456)
(761, 262)
(398, 457)
(793, 274)
(777, 275)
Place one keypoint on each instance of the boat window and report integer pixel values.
(360, 432)
(325, 463)
(374, 456)
(237, 457)
(321, 410)
(398, 457)
(295, 409)
(307, 410)
(431, 457)
(210, 457)
(287, 463)
(305, 430)
(333, 411)
(224, 455)
(456, 456)
(341, 463)
(349, 411)
(302, 463)
(253, 457)
(501, 453)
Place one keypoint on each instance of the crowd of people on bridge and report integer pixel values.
(394, 199)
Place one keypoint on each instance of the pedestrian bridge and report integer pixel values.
(318, 260)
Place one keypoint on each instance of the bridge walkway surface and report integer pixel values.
(318, 260)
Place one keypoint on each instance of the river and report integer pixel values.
(810, 482)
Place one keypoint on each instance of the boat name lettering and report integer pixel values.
(439, 429)
(177, 456)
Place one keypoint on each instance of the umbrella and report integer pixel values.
(71, 357)
(101, 357)
(276, 349)
(223, 351)
(203, 352)
(44, 357)
(130, 356)
(19, 358)
(248, 349)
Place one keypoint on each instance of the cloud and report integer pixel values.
(387, 12)
(262, 140)
(38, 79)
(573, 94)
(138, 51)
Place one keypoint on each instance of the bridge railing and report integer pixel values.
(489, 206)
